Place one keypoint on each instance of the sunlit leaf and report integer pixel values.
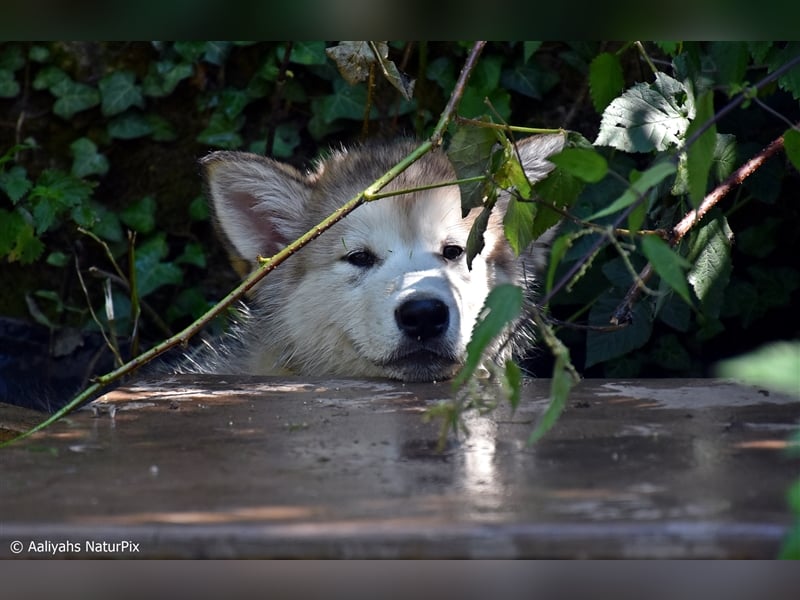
(502, 306)
(648, 117)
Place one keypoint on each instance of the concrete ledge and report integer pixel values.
(202, 467)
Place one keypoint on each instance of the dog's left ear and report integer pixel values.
(534, 152)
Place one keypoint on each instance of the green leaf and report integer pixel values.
(50, 77)
(529, 49)
(647, 117)
(791, 145)
(86, 159)
(564, 378)
(561, 190)
(151, 273)
(57, 259)
(669, 265)
(512, 383)
(9, 87)
(305, 53)
(129, 126)
(193, 254)
(475, 241)
(106, 223)
(775, 366)
(729, 62)
(518, 224)
(15, 183)
(141, 215)
(18, 241)
(789, 81)
(164, 76)
(119, 92)
(198, 209)
(710, 257)
(74, 98)
(469, 152)
(650, 178)
(583, 163)
(502, 306)
(602, 346)
(222, 131)
(11, 58)
(700, 155)
(560, 386)
(287, 138)
(605, 80)
(724, 156)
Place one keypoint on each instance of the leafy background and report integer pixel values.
(98, 177)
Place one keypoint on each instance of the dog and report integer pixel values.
(386, 292)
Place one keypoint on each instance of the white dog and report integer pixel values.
(386, 292)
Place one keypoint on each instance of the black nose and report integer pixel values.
(422, 318)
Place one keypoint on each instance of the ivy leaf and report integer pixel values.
(502, 306)
(141, 215)
(119, 92)
(86, 159)
(151, 272)
(50, 77)
(561, 190)
(9, 87)
(73, 98)
(164, 76)
(305, 53)
(647, 117)
(129, 126)
(669, 265)
(605, 80)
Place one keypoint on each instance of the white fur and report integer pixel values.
(319, 314)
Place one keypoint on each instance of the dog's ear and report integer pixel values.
(534, 151)
(258, 204)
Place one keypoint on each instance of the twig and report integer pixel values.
(269, 264)
(622, 313)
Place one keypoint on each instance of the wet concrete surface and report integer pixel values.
(197, 467)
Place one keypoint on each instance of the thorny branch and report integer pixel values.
(622, 313)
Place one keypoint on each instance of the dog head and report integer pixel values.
(386, 291)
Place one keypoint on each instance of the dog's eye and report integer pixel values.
(361, 258)
(452, 252)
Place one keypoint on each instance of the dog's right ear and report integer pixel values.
(258, 203)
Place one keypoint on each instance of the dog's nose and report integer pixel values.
(422, 318)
